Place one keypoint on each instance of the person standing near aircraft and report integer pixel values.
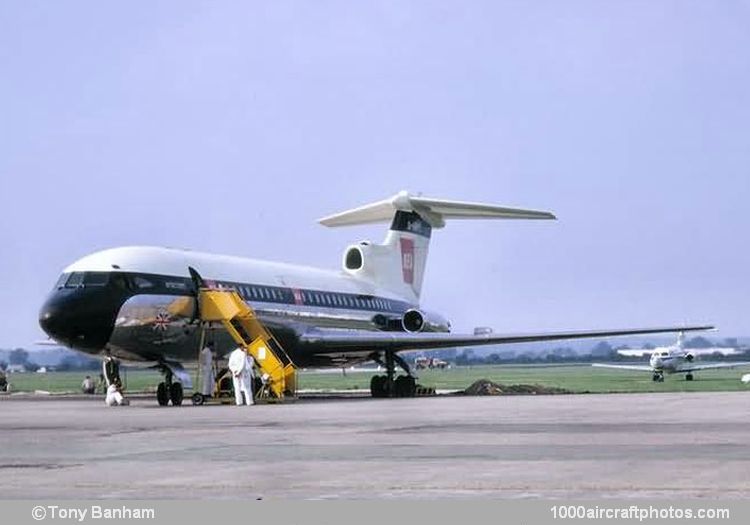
(207, 370)
(241, 365)
(111, 369)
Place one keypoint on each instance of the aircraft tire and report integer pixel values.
(176, 394)
(406, 386)
(162, 396)
(377, 386)
(198, 399)
(689, 377)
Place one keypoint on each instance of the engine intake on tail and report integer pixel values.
(353, 258)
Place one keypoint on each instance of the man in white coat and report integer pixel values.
(241, 366)
(207, 370)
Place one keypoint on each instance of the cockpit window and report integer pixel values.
(75, 280)
(78, 279)
(665, 354)
(142, 282)
(95, 278)
(61, 281)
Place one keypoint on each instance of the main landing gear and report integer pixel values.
(688, 377)
(389, 385)
(658, 377)
(169, 390)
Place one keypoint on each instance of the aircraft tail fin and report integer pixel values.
(399, 263)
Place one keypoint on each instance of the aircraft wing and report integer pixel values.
(711, 366)
(358, 341)
(715, 350)
(639, 352)
(640, 368)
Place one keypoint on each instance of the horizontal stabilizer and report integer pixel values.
(434, 211)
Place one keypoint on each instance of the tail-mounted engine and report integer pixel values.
(412, 321)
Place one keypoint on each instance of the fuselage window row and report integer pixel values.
(155, 284)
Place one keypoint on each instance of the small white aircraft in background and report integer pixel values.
(674, 359)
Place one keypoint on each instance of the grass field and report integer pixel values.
(576, 378)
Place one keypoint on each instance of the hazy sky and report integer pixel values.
(232, 126)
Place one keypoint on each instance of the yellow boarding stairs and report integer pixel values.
(226, 306)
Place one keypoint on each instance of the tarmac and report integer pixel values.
(559, 446)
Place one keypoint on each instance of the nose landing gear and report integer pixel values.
(658, 377)
(169, 389)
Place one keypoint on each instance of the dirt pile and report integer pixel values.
(485, 387)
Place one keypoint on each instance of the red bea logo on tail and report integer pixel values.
(407, 260)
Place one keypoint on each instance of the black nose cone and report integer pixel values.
(78, 319)
(58, 319)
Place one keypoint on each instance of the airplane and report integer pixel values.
(139, 302)
(674, 359)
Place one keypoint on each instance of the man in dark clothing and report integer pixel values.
(111, 370)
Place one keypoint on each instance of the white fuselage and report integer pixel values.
(669, 360)
(139, 302)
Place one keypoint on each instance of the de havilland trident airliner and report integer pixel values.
(139, 303)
